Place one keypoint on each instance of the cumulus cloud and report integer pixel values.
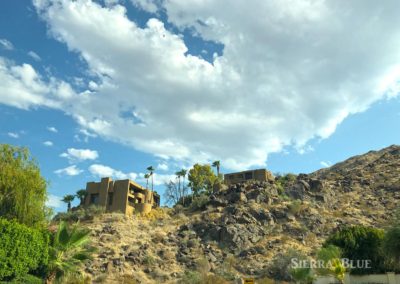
(162, 167)
(6, 44)
(23, 87)
(69, 171)
(52, 129)
(101, 171)
(78, 155)
(288, 73)
(13, 135)
(48, 143)
(34, 55)
(106, 171)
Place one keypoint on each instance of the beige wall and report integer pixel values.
(260, 175)
(388, 278)
(121, 191)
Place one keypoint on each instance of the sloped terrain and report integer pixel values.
(242, 228)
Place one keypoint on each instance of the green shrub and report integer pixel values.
(360, 243)
(391, 247)
(295, 207)
(22, 249)
(199, 202)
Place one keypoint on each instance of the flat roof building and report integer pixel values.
(260, 175)
(124, 196)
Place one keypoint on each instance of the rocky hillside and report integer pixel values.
(242, 230)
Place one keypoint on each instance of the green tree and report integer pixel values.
(68, 199)
(216, 164)
(331, 256)
(70, 247)
(147, 176)
(201, 179)
(151, 170)
(360, 243)
(81, 194)
(182, 174)
(391, 247)
(23, 191)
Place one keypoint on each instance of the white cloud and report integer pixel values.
(52, 129)
(162, 167)
(48, 143)
(54, 201)
(105, 171)
(289, 72)
(101, 171)
(13, 135)
(146, 5)
(6, 44)
(78, 155)
(34, 55)
(326, 164)
(25, 88)
(69, 171)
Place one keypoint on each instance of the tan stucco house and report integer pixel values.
(123, 196)
(260, 175)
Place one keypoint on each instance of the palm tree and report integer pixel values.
(68, 250)
(146, 176)
(151, 172)
(178, 176)
(216, 164)
(182, 173)
(68, 199)
(81, 194)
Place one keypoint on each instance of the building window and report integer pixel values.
(248, 175)
(94, 198)
(231, 177)
(131, 201)
(110, 198)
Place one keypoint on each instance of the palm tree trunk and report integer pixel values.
(183, 191)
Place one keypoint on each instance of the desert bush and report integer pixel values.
(155, 214)
(282, 181)
(178, 208)
(199, 202)
(195, 277)
(295, 207)
(149, 260)
(80, 214)
(281, 265)
(22, 249)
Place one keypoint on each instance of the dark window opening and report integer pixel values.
(131, 201)
(248, 175)
(94, 198)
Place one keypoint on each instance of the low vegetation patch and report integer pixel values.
(22, 249)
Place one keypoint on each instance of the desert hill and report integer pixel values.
(243, 229)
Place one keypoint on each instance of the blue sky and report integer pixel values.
(98, 88)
